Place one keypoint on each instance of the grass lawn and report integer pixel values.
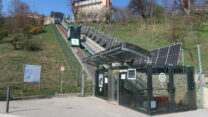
(50, 58)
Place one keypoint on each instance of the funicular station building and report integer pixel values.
(147, 81)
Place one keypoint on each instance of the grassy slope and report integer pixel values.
(158, 35)
(50, 58)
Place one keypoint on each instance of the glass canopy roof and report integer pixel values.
(118, 54)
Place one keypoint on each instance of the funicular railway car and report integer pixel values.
(58, 17)
(74, 35)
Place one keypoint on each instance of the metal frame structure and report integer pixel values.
(139, 94)
(118, 54)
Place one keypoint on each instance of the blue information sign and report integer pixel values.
(32, 73)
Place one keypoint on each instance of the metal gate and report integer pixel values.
(159, 89)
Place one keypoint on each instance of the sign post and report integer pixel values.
(200, 75)
(62, 75)
(31, 73)
(8, 98)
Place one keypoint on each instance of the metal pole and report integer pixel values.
(200, 75)
(171, 88)
(93, 87)
(8, 95)
(183, 61)
(62, 81)
(83, 82)
(149, 87)
(61, 86)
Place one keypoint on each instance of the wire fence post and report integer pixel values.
(93, 87)
(8, 97)
(183, 60)
(200, 75)
(83, 82)
(78, 71)
(62, 75)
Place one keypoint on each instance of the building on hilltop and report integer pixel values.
(89, 7)
(91, 4)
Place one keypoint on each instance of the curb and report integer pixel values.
(47, 96)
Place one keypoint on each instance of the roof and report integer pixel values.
(118, 54)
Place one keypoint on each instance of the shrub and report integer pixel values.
(18, 41)
(36, 30)
(7, 39)
(25, 41)
(33, 44)
(3, 34)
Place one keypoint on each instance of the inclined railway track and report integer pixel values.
(78, 53)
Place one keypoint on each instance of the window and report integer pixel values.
(132, 74)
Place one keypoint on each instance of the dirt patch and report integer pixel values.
(13, 54)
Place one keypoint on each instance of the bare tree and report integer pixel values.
(13, 6)
(187, 7)
(167, 5)
(74, 9)
(121, 14)
(20, 11)
(107, 14)
(145, 8)
(1, 8)
(1, 18)
(138, 7)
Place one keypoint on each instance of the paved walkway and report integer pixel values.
(7, 115)
(73, 106)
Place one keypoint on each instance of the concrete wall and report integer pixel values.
(205, 91)
(48, 20)
(181, 97)
(205, 97)
(180, 84)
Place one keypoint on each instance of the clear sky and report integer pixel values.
(45, 6)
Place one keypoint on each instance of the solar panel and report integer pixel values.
(103, 41)
(85, 30)
(118, 43)
(89, 34)
(162, 56)
(173, 55)
(112, 43)
(94, 35)
(165, 55)
(98, 38)
(109, 43)
(154, 54)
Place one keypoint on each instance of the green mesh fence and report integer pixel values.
(74, 64)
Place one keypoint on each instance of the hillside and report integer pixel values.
(50, 58)
(159, 34)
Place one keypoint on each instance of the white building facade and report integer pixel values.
(91, 6)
